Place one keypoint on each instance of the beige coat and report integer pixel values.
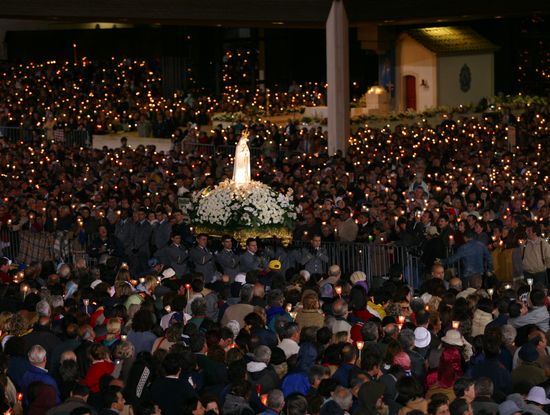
(310, 318)
(480, 320)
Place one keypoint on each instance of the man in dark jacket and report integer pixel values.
(170, 392)
(78, 398)
(260, 372)
(41, 333)
(347, 370)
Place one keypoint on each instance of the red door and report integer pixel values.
(410, 92)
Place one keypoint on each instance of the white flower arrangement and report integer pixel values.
(253, 205)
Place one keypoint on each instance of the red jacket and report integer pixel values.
(95, 373)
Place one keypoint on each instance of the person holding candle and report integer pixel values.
(537, 314)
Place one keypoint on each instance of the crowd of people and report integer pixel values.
(124, 95)
(164, 320)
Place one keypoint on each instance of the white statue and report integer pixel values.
(241, 167)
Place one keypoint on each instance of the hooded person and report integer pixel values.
(370, 399)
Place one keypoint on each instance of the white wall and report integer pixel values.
(482, 75)
(414, 59)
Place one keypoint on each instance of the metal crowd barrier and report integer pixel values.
(26, 246)
(71, 138)
(375, 260)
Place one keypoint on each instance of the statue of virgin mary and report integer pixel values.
(241, 167)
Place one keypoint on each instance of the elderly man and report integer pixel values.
(260, 372)
(340, 312)
(340, 403)
(275, 402)
(37, 373)
(291, 339)
(42, 333)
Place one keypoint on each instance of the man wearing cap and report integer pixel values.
(202, 259)
(174, 255)
(314, 259)
(528, 371)
(227, 259)
(249, 260)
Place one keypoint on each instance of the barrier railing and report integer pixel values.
(375, 260)
(26, 246)
(71, 138)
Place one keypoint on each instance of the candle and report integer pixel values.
(401, 319)
(338, 290)
(490, 291)
(288, 308)
(507, 286)
(168, 309)
(360, 345)
(86, 303)
(530, 281)
(141, 280)
(293, 315)
(456, 325)
(188, 289)
(25, 290)
(123, 337)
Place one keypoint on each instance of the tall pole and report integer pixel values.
(338, 78)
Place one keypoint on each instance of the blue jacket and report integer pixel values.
(475, 259)
(36, 374)
(342, 374)
(295, 382)
(494, 370)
